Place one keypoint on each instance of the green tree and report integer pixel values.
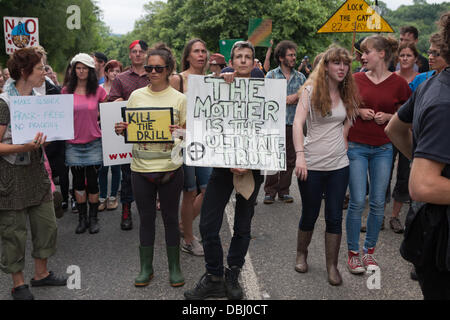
(176, 21)
(60, 42)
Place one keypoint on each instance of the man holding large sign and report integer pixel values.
(257, 115)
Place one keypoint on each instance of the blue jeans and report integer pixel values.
(334, 185)
(378, 160)
(103, 181)
(194, 176)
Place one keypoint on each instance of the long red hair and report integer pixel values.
(320, 98)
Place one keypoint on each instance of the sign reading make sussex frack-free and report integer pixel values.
(238, 125)
(148, 125)
(52, 115)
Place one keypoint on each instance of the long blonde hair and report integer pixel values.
(320, 98)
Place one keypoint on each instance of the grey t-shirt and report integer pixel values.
(324, 144)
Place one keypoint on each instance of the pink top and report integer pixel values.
(85, 116)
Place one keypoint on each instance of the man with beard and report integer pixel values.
(285, 55)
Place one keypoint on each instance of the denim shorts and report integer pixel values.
(194, 176)
(83, 155)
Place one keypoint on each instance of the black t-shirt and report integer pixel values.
(428, 109)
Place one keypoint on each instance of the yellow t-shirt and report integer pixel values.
(156, 157)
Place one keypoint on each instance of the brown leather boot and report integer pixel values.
(332, 246)
(303, 241)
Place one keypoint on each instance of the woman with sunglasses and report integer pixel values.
(194, 61)
(436, 62)
(84, 152)
(153, 171)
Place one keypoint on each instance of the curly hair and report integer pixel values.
(282, 48)
(444, 23)
(320, 98)
(23, 60)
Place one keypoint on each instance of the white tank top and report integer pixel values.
(324, 143)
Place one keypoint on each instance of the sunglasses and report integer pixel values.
(434, 53)
(158, 69)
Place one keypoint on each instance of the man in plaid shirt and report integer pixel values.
(285, 55)
(124, 84)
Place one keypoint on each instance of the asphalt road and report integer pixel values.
(108, 262)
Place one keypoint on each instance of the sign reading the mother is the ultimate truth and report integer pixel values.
(52, 115)
(148, 125)
(237, 125)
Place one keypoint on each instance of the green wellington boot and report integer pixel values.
(173, 256)
(146, 274)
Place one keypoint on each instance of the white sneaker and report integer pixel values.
(194, 248)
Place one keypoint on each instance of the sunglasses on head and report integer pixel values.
(158, 69)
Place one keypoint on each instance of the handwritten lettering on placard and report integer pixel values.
(237, 125)
(148, 125)
(52, 115)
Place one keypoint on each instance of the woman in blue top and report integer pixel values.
(437, 63)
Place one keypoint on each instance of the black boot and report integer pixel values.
(93, 218)
(232, 286)
(209, 286)
(127, 223)
(82, 218)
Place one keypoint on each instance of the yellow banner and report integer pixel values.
(148, 125)
(355, 16)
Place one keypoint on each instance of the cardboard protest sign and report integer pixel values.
(148, 125)
(225, 46)
(355, 16)
(52, 115)
(115, 150)
(260, 32)
(238, 125)
(20, 33)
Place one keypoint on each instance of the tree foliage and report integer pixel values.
(176, 21)
(60, 43)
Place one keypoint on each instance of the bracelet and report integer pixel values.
(299, 151)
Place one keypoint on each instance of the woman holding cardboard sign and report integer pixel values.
(152, 168)
(25, 192)
(84, 152)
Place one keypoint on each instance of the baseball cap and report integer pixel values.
(85, 59)
(217, 58)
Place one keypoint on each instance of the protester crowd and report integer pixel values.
(336, 146)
